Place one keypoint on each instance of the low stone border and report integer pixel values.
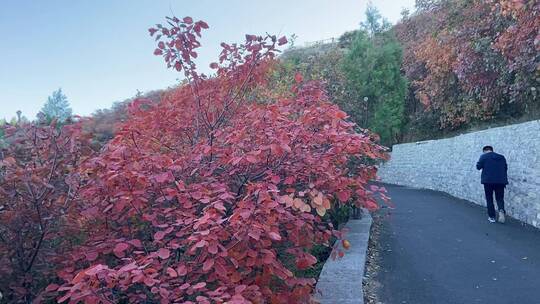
(340, 280)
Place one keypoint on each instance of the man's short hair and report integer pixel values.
(487, 148)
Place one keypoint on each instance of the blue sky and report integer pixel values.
(99, 51)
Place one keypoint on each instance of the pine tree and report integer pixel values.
(373, 69)
(56, 107)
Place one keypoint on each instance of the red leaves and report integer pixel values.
(171, 272)
(148, 281)
(163, 253)
(207, 186)
(200, 244)
(182, 270)
(158, 236)
(91, 256)
(344, 195)
(298, 78)
(239, 289)
(52, 287)
(136, 243)
(119, 249)
(207, 265)
(203, 24)
(250, 38)
(282, 41)
(165, 177)
(39, 179)
(306, 261)
(251, 158)
(274, 236)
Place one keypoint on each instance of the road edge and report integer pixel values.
(341, 279)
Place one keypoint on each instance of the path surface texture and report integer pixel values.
(439, 249)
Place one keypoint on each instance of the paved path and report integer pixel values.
(439, 249)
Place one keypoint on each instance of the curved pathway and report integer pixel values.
(439, 249)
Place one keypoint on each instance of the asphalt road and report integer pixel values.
(439, 249)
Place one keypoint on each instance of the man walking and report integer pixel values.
(494, 178)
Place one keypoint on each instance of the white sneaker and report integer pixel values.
(502, 217)
(491, 220)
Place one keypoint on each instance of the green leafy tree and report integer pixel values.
(372, 67)
(2, 124)
(56, 106)
(375, 23)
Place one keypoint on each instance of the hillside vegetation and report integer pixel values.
(467, 64)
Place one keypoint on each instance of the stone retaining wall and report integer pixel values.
(448, 165)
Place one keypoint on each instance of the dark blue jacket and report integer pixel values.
(494, 168)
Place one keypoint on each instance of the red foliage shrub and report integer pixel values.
(217, 193)
(38, 187)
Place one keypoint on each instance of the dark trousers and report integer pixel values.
(498, 189)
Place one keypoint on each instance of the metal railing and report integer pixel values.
(320, 42)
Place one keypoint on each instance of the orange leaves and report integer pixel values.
(318, 201)
(321, 203)
(340, 115)
(300, 205)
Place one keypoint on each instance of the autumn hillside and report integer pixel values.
(467, 64)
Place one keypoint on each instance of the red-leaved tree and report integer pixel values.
(217, 193)
(38, 187)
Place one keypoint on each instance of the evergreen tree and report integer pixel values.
(2, 124)
(56, 106)
(373, 71)
(375, 23)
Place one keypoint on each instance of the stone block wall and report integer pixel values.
(449, 165)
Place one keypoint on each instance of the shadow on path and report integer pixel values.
(439, 249)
